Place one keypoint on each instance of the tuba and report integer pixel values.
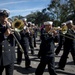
(18, 25)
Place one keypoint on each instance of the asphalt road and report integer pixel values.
(20, 69)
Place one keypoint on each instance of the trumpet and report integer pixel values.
(55, 30)
(63, 29)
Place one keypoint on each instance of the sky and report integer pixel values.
(23, 7)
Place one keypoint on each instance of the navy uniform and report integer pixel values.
(46, 53)
(7, 52)
(19, 53)
(25, 44)
(34, 35)
(31, 37)
(69, 46)
(19, 56)
(7, 46)
(61, 40)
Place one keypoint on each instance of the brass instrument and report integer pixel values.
(18, 25)
(56, 28)
(53, 31)
(31, 30)
(64, 29)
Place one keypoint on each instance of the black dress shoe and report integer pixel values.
(32, 52)
(18, 63)
(34, 45)
(56, 53)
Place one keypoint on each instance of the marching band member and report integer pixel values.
(7, 44)
(61, 40)
(46, 52)
(31, 37)
(25, 21)
(34, 34)
(69, 45)
(25, 45)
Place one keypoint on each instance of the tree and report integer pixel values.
(38, 17)
(61, 12)
(17, 17)
(71, 9)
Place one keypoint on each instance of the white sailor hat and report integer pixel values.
(24, 19)
(5, 12)
(58, 27)
(30, 23)
(48, 23)
(33, 24)
(69, 22)
(63, 24)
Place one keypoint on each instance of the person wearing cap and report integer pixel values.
(46, 52)
(4, 12)
(24, 33)
(30, 26)
(7, 44)
(25, 21)
(69, 45)
(61, 40)
(25, 45)
(34, 34)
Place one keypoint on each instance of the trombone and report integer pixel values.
(17, 26)
(64, 31)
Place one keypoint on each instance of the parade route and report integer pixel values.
(20, 69)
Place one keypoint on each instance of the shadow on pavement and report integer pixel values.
(23, 70)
